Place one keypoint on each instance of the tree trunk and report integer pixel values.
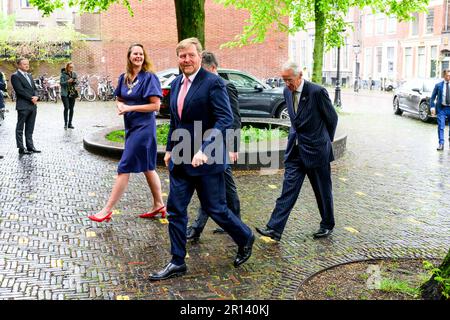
(319, 43)
(191, 19)
(432, 290)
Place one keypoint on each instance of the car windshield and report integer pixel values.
(428, 85)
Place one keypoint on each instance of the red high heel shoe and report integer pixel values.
(107, 217)
(152, 214)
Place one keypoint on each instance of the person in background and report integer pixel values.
(2, 101)
(440, 105)
(68, 81)
(26, 105)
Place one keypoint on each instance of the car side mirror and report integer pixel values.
(259, 88)
(416, 90)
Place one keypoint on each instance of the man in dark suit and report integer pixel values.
(199, 114)
(210, 63)
(26, 106)
(308, 152)
(441, 92)
(2, 102)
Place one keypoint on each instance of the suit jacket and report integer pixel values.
(437, 93)
(24, 92)
(64, 84)
(207, 102)
(2, 88)
(233, 144)
(312, 127)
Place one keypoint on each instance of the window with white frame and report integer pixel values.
(294, 50)
(433, 62)
(369, 25)
(346, 55)
(390, 53)
(368, 62)
(415, 24)
(379, 53)
(380, 24)
(303, 53)
(334, 58)
(430, 21)
(392, 25)
(25, 4)
(408, 62)
(421, 65)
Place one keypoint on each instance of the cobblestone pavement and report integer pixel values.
(391, 193)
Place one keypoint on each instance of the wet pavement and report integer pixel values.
(391, 195)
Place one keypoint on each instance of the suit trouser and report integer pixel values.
(69, 104)
(294, 176)
(211, 192)
(443, 113)
(232, 198)
(25, 118)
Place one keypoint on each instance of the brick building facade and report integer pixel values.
(154, 25)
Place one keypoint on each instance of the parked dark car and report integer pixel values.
(414, 96)
(256, 99)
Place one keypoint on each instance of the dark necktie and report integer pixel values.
(447, 94)
(295, 100)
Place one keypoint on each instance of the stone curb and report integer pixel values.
(252, 156)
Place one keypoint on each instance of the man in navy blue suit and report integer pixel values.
(200, 113)
(441, 92)
(308, 152)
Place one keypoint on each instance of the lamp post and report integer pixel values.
(356, 50)
(337, 90)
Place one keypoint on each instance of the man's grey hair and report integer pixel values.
(291, 65)
(183, 44)
(209, 59)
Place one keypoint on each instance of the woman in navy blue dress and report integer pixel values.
(138, 97)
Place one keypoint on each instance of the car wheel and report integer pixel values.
(396, 105)
(423, 111)
(283, 113)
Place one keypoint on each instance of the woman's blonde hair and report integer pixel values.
(68, 64)
(146, 66)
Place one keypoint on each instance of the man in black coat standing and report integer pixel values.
(308, 152)
(210, 63)
(26, 106)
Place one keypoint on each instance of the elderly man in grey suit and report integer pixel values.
(308, 152)
(26, 106)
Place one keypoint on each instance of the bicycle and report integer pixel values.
(105, 89)
(86, 91)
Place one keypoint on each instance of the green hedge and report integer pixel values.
(248, 134)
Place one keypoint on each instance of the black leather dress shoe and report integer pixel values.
(267, 232)
(1, 157)
(219, 230)
(34, 150)
(440, 148)
(169, 271)
(23, 151)
(71, 126)
(322, 233)
(244, 252)
(192, 234)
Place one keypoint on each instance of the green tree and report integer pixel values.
(190, 13)
(328, 17)
(438, 286)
